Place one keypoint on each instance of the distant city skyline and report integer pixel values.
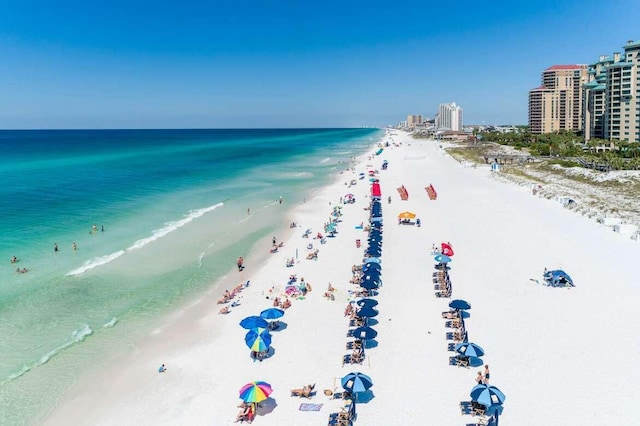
(199, 64)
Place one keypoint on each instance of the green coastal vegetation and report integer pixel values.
(569, 149)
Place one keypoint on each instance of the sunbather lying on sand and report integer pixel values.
(224, 310)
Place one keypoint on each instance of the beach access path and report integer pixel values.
(561, 356)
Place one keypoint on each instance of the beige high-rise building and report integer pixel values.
(413, 120)
(612, 96)
(557, 103)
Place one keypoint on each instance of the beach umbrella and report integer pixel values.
(364, 333)
(459, 304)
(253, 322)
(369, 284)
(372, 266)
(446, 249)
(348, 196)
(406, 215)
(376, 220)
(441, 258)
(367, 302)
(369, 260)
(258, 340)
(255, 392)
(487, 395)
(469, 349)
(356, 382)
(367, 312)
(271, 313)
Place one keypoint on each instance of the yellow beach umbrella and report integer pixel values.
(406, 215)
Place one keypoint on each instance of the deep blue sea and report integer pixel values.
(156, 216)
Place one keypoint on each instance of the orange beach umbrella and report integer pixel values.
(406, 215)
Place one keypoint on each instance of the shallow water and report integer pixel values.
(173, 204)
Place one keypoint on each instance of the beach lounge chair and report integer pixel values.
(477, 409)
(451, 347)
(304, 392)
(357, 344)
(351, 359)
(465, 408)
(443, 294)
(357, 322)
(339, 422)
(459, 361)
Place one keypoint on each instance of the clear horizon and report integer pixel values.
(133, 65)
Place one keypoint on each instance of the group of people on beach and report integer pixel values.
(483, 377)
(228, 296)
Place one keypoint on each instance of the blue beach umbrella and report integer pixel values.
(375, 270)
(487, 395)
(367, 312)
(371, 260)
(356, 382)
(253, 322)
(258, 340)
(364, 333)
(441, 258)
(367, 302)
(376, 220)
(469, 349)
(459, 304)
(369, 284)
(272, 313)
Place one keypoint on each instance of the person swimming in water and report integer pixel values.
(14, 259)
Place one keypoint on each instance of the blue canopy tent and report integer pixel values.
(558, 278)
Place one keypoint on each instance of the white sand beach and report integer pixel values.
(561, 356)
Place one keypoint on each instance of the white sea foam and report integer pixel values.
(157, 234)
(95, 262)
(200, 260)
(324, 160)
(77, 336)
(111, 323)
(172, 226)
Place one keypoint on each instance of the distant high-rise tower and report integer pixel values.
(413, 120)
(449, 117)
(557, 103)
(612, 96)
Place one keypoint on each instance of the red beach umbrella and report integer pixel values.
(446, 249)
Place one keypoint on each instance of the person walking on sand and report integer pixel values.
(273, 240)
(240, 263)
(479, 378)
(486, 374)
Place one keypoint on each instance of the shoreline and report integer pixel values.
(503, 237)
(186, 323)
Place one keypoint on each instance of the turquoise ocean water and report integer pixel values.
(173, 204)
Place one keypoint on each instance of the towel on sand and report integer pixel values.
(310, 407)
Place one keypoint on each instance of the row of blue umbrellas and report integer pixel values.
(489, 396)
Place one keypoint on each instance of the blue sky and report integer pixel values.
(281, 63)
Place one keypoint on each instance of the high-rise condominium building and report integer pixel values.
(413, 120)
(557, 103)
(449, 117)
(612, 96)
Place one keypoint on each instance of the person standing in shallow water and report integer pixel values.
(55, 246)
